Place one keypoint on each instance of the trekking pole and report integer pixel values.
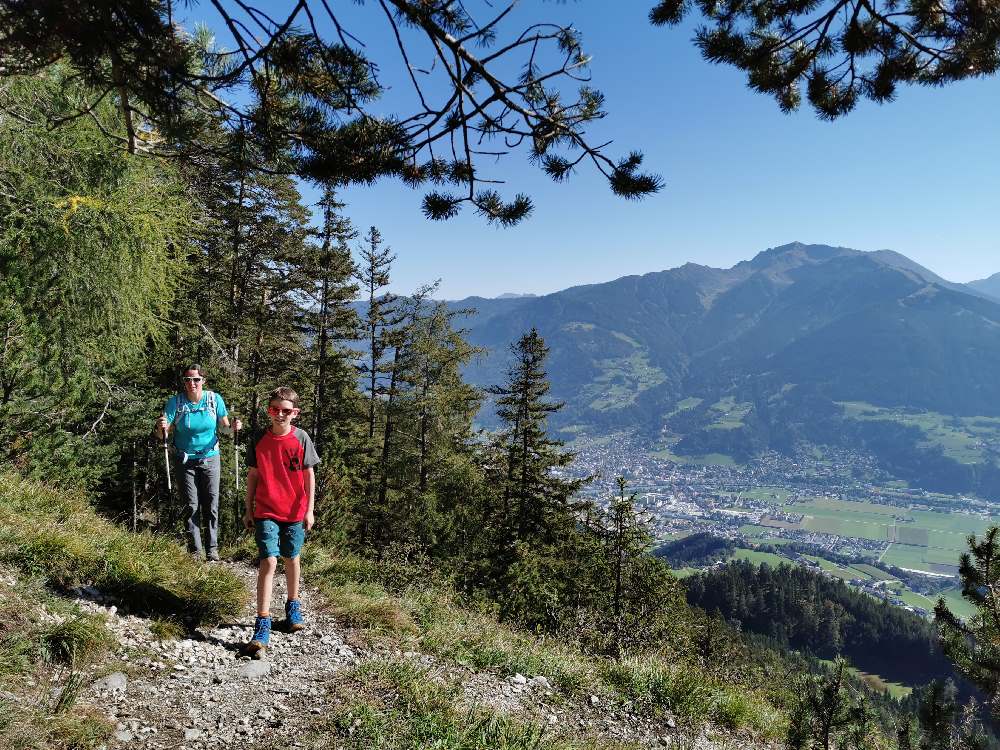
(236, 494)
(166, 460)
(236, 460)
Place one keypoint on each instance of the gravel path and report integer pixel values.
(201, 692)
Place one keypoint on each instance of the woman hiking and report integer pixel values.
(196, 417)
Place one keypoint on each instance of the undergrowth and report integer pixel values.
(56, 535)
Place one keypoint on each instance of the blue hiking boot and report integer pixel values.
(293, 616)
(261, 637)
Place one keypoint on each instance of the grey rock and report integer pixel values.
(112, 683)
(594, 700)
(192, 734)
(124, 736)
(541, 682)
(519, 679)
(252, 670)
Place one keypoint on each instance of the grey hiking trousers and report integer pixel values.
(199, 485)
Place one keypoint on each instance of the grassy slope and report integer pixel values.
(416, 613)
(55, 535)
(44, 643)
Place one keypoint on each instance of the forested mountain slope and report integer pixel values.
(790, 335)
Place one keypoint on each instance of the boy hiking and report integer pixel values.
(279, 508)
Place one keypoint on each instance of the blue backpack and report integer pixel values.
(186, 407)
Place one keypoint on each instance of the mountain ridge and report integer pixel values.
(794, 323)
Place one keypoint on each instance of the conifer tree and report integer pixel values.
(535, 498)
(830, 713)
(90, 245)
(301, 86)
(380, 317)
(334, 322)
(638, 609)
(974, 645)
(538, 536)
(937, 713)
(841, 52)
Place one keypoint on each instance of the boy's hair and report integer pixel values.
(199, 368)
(283, 393)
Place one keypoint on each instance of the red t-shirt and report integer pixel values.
(281, 463)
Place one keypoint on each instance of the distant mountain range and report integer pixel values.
(758, 355)
(989, 286)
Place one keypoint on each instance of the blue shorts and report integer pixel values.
(276, 538)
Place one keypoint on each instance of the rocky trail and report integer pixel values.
(200, 692)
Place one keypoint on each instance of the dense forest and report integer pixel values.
(696, 550)
(802, 609)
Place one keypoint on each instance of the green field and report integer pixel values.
(872, 572)
(876, 682)
(960, 438)
(757, 557)
(709, 459)
(844, 574)
(773, 495)
(727, 414)
(927, 559)
(921, 540)
(621, 380)
(684, 405)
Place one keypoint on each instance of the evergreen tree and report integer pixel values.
(974, 645)
(332, 326)
(538, 532)
(844, 51)
(830, 713)
(301, 87)
(937, 713)
(535, 497)
(90, 245)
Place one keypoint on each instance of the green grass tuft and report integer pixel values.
(77, 639)
(166, 629)
(38, 629)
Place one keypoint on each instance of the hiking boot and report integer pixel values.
(261, 637)
(293, 616)
(213, 555)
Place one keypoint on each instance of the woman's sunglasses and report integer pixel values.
(191, 379)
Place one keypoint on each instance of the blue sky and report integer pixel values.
(918, 176)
